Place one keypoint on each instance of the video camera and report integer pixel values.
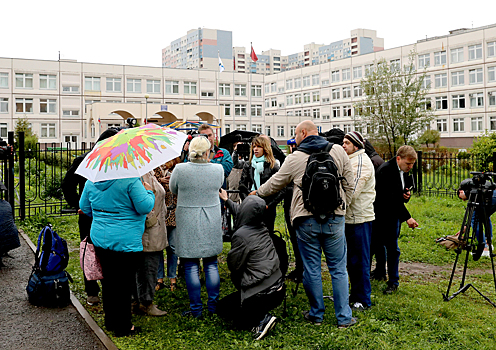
(481, 182)
(5, 149)
(243, 146)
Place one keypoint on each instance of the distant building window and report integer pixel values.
(442, 125)
(306, 81)
(92, 83)
(207, 94)
(4, 80)
(114, 84)
(70, 113)
(256, 110)
(239, 90)
(458, 78)
(357, 91)
(240, 110)
(357, 72)
(491, 49)
(48, 106)
(4, 105)
(440, 80)
(491, 74)
(475, 52)
(24, 105)
(225, 89)
(475, 76)
(297, 83)
(457, 55)
(476, 100)
(424, 61)
(24, 80)
(153, 86)
(3, 130)
(171, 87)
(346, 92)
(441, 102)
(70, 89)
(48, 81)
(476, 123)
(190, 87)
(458, 101)
(439, 58)
(47, 130)
(280, 130)
(256, 90)
(335, 76)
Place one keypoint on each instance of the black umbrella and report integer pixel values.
(228, 140)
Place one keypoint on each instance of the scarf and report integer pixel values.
(258, 165)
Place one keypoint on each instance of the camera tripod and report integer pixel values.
(478, 203)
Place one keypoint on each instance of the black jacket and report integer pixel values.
(389, 202)
(248, 179)
(253, 259)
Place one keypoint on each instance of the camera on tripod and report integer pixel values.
(482, 184)
(5, 149)
(243, 146)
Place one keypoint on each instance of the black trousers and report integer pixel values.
(294, 240)
(90, 287)
(248, 314)
(119, 282)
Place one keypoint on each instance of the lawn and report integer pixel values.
(416, 317)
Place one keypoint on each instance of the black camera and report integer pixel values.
(243, 146)
(131, 122)
(5, 149)
(481, 182)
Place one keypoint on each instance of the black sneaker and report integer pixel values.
(306, 316)
(264, 327)
(374, 275)
(391, 289)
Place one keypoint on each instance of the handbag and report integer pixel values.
(90, 264)
(49, 290)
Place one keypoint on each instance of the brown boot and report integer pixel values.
(152, 310)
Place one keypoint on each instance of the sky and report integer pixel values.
(134, 33)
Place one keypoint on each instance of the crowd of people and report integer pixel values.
(179, 208)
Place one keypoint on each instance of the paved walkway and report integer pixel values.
(24, 326)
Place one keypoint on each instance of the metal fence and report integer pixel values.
(34, 176)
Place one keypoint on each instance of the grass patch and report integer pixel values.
(414, 318)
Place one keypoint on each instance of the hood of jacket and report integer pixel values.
(250, 212)
(312, 143)
(369, 149)
(104, 185)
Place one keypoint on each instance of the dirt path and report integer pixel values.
(434, 273)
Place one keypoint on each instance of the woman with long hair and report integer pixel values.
(260, 167)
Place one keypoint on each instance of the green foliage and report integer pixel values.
(30, 139)
(430, 137)
(484, 147)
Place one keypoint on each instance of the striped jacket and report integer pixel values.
(361, 208)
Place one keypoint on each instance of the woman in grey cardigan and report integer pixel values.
(198, 222)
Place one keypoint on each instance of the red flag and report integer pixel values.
(234, 64)
(253, 55)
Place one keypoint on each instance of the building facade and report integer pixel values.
(73, 101)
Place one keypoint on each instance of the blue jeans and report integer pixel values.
(212, 281)
(313, 238)
(171, 257)
(358, 242)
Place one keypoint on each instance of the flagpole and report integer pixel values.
(249, 100)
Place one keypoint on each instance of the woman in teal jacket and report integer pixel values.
(119, 209)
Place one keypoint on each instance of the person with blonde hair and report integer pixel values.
(198, 222)
(260, 167)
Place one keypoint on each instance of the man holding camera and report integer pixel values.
(393, 188)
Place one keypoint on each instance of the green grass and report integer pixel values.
(414, 318)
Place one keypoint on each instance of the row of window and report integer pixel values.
(457, 55)
(476, 124)
(47, 130)
(475, 76)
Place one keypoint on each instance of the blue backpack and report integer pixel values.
(52, 256)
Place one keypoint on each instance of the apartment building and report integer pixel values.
(71, 101)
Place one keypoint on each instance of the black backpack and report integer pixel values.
(321, 184)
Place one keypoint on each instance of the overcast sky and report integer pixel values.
(134, 33)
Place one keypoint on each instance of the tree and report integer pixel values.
(430, 136)
(30, 139)
(393, 109)
(483, 148)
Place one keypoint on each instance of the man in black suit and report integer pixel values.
(393, 186)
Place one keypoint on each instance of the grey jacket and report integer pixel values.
(155, 237)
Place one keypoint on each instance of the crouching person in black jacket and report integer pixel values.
(254, 267)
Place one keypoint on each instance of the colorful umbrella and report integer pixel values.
(132, 153)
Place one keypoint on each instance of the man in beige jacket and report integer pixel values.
(359, 218)
(315, 236)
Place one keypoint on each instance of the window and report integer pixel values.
(491, 49)
(476, 123)
(346, 92)
(424, 61)
(225, 89)
(442, 125)
(273, 102)
(325, 117)
(3, 130)
(48, 106)
(458, 101)
(335, 94)
(347, 111)
(267, 103)
(4, 80)
(346, 128)
(297, 83)
(426, 83)
(48, 81)
(491, 74)
(267, 130)
(70, 113)
(153, 86)
(425, 103)
(242, 127)
(239, 90)
(306, 81)
(475, 76)
(47, 130)
(325, 82)
(306, 97)
(316, 113)
(114, 84)
(457, 78)
(289, 112)
(315, 79)
(369, 69)
(316, 96)
(24, 105)
(458, 124)
(289, 100)
(256, 90)
(207, 94)
(476, 100)
(289, 84)
(298, 113)
(492, 98)
(292, 131)
(335, 76)
(190, 87)
(240, 110)
(267, 88)
(336, 112)
(24, 80)
(227, 128)
(227, 109)
(357, 91)
(256, 110)
(257, 128)
(273, 87)
(442, 102)
(440, 58)
(440, 80)
(306, 112)
(395, 65)
(70, 89)
(492, 122)
(92, 83)
(4, 105)
(134, 85)
(457, 55)
(280, 130)
(297, 99)
(345, 74)
(475, 52)
(357, 72)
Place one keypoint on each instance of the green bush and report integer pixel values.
(483, 148)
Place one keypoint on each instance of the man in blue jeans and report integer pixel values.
(315, 237)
